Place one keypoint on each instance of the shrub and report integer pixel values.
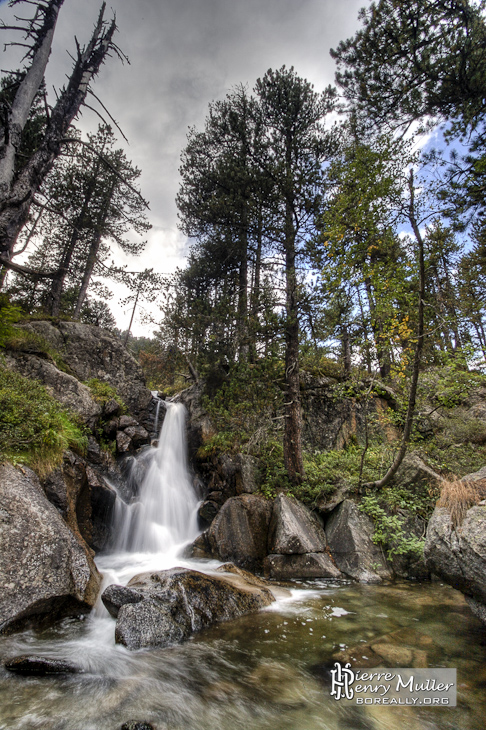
(34, 428)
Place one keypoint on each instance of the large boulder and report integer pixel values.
(46, 571)
(164, 608)
(414, 473)
(91, 352)
(349, 535)
(63, 387)
(239, 532)
(294, 529)
(458, 554)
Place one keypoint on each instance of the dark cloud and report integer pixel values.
(184, 54)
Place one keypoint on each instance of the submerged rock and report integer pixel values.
(31, 664)
(349, 535)
(173, 604)
(405, 647)
(458, 554)
(45, 571)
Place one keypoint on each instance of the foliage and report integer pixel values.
(387, 509)
(246, 401)
(324, 471)
(103, 392)
(9, 314)
(34, 428)
(415, 59)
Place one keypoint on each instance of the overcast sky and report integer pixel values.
(184, 54)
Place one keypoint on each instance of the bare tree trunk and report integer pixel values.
(17, 192)
(125, 341)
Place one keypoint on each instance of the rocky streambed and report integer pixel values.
(258, 670)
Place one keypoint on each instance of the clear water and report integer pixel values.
(259, 672)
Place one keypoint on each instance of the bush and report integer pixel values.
(34, 428)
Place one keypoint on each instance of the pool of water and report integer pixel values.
(260, 672)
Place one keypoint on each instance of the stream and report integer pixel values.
(255, 673)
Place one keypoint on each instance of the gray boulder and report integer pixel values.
(46, 571)
(349, 536)
(414, 472)
(239, 532)
(458, 555)
(304, 566)
(164, 608)
(294, 529)
(91, 352)
(63, 387)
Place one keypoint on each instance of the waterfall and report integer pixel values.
(165, 513)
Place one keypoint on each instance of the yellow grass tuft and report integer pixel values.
(458, 496)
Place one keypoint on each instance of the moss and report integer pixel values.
(34, 428)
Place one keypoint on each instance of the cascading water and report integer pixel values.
(165, 515)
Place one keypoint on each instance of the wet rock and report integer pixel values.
(110, 428)
(145, 625)
(30, 664)
(216, 497)
(208, 511)
(458, 555)
(178, 602)
(83, 499)
(200, 548)
(138, 435)
(115, 596)
(349, 535)
(293, 529)
(46, 570)
(478, 608)
(307, 565)
(239, 533)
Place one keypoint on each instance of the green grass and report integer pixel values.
(34, 428)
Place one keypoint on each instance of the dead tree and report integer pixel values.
(20, 180)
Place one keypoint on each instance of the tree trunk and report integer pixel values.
(293, 418)
(407, 431)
